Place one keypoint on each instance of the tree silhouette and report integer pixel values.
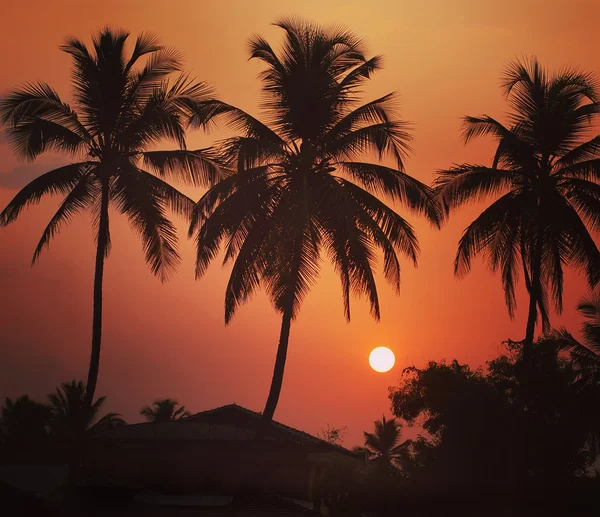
(120, 112)
(73, 420)
(382, 445)
(72, 417)
(334, 435)
(164, 410)
(544, 175)
(24, 422)
(585, 354)
(590, 308)
(299, 189)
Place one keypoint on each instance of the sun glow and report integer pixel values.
(382, 359)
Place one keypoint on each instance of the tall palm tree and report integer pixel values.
(299, 187)
(382, 445)
(72, 417)
(164, 410)
(120, 112)
(544, 178)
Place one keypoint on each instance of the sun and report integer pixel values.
(382, 359)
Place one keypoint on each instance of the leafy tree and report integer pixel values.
(300, 188)
(24, 422)
(483, 430)
(120, 112)
(544, 178)
(164, 410)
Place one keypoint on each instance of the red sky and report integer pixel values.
(443, 58)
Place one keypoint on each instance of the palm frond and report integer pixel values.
(471, 183)
(145, 43)
(199, 167)
(386, 139)
(482, 231)
(79, 198)
(142, 203)
(57, 181)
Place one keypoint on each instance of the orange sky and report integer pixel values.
(444, 59)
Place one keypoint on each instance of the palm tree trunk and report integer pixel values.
(97, 317)
(278, 370)
(534, 295)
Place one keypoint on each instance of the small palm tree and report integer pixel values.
(545, 177)
(382, 445)
(120, 112)
(72, 418)
(300, 189)
(164, 410)
(24, 422)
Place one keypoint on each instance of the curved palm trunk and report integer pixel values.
(97, 317)
(278, 370)
(534, 295)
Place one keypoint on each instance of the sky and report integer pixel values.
(444, 59)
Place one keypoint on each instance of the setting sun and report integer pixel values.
(382, 359)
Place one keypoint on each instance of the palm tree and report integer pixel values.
(590, 309)
(300, 189)
(382, 445)
(544, 177)
(72, 417)
(585, 354)
(24, 422)
(120, 111)
(164, 410)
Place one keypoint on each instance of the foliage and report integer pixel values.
(482, 429)
(382, 447)
(300, 189)
(24, 422)
(72, 418)
(164, 410)
(119, 113)
(122, 110)
(587, 353)
(334, 435)
(544, 181)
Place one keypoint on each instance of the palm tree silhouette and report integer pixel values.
(299, 189)
(382, 445)
(119, 113)
(545, 175)
(72, 417)
(164, 410)
(585, 354)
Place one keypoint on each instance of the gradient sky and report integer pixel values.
(443, 58)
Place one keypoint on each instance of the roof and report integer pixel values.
(243, 418)
(176, 430)
(229, 422)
